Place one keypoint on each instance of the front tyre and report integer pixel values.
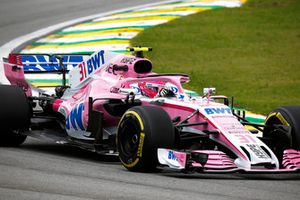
(287, 133)
(141, 131)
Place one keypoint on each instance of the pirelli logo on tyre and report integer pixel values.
(279, 116)
(141, 144)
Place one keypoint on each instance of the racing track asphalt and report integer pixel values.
(42, 170)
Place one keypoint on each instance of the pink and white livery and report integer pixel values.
(115, 104)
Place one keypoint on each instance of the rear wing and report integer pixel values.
(46, 70)
(49, 71)
(89, 66)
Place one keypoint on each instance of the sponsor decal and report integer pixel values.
(128, 60)
(75, 119)
(141, 144)
(109, 68)
(175, 90)
(172, 87)
(257, 150)
(282, 119)
(172, 156)
(88, 67)
(49, 63)
(246, 138)
(135, 87)
(218, 111)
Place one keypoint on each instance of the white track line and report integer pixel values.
(13, 44)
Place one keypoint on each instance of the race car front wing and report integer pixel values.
(210, 161)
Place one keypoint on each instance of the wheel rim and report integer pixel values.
(129, 138)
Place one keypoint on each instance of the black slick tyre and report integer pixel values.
(141, 131)
(11, 138)
(15, 113)
(288, 138)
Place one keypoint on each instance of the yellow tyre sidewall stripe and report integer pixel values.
(141, 139)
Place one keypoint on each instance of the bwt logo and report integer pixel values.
(88, 67)
(172, 156)
(75, 118)
(48, 63)
(212, 111)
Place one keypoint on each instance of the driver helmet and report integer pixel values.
(154, 89)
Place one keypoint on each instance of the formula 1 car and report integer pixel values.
(114, 104)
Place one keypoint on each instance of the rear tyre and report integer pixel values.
(141, 131)
(11, 138)
(15, 113)
(283, 138)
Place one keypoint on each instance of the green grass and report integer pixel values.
(252, 53)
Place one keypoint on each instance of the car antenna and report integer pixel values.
(139, 51)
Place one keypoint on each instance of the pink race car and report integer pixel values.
(114, 104)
